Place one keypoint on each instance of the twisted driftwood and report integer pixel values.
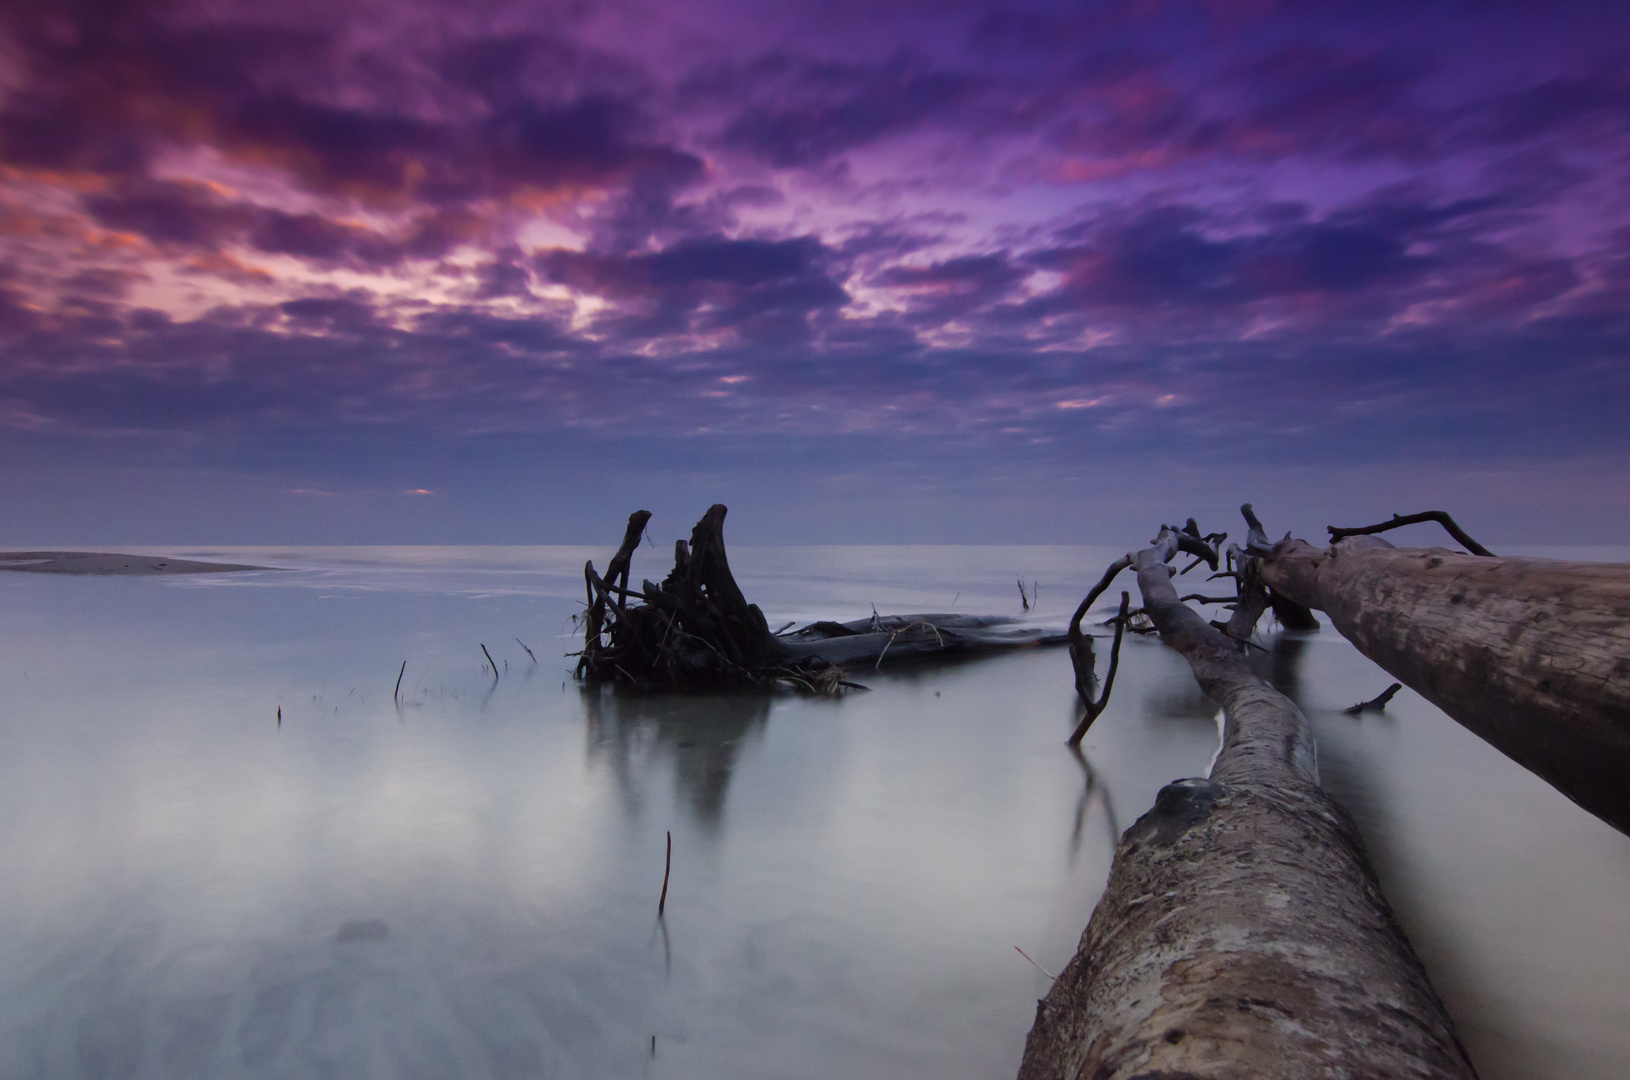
(697, 631)
(1533, 655)
(1242, 932)
(1248, 603)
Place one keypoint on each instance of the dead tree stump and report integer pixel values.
(697, 631)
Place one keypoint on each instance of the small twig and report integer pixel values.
(784, 628)
(1209, 599)
(395, 695)
(1439, 516)
(940, 641)
(662, 901)
(884, 652)
(1377, 703)
(1023, 596)
(522, 644)
(1037, 966)
(491, 661)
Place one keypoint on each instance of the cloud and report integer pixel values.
(1054, 228)
(705, 284)
(175, 213)
(801, 112)
(331, 312)
(378, 156)
(1174, 269)
(108, 88)
(183, 215)
(1169, 259)
(953, 288)
(1594, 106)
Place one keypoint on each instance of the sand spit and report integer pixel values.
(110, 563)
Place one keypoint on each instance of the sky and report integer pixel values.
(495, 272)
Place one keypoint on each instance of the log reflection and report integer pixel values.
(1284, 670)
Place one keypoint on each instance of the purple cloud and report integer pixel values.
(704, 284)
(1047, 228)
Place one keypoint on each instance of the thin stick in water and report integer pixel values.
(1035, 965)
(490, 660)
(522, 644)
(662, 901)
(396, 695)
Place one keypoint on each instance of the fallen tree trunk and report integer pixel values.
(696, 629)
(1242, 932)
(1533, 655)
(906, 637)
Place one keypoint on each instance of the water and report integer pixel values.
(465, 885)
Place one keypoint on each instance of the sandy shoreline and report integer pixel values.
(110, 564)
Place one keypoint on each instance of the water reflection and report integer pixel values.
(1091, 784)
(470, 890)
(1285, 653)
(700, 733)
(1181, 703)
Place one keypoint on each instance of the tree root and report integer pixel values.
(696, 631)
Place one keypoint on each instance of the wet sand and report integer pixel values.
(110, 563)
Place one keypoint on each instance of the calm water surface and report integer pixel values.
(465, 884)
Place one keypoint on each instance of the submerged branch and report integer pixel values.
(1378, 703)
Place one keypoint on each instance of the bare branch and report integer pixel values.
(1439, 516)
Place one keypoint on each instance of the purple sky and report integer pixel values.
(502, 272)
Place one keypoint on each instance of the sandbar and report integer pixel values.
(107, 563)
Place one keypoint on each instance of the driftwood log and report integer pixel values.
(1242, 932)
(695, 630)
(1533, 655)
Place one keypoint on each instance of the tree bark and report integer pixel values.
(1242, 932)
(1533, 655)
